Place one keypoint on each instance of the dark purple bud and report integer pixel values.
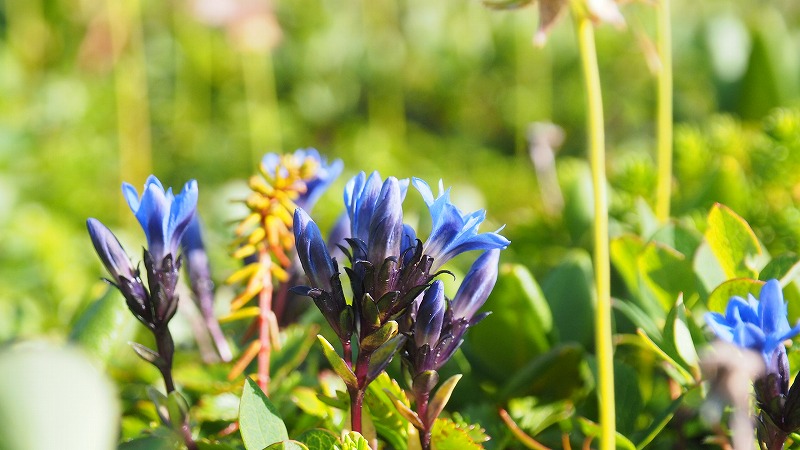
(312, 251)
(477, 286)
(430, 316)
(110, 251)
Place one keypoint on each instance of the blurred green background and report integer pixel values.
(93, 93)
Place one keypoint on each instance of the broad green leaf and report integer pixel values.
(627, 396)
(625, 252)
(318, 439)
(591, 429)
(673, 235)
(307, 400)
(732, 241)
(55, 398)
(534, 416)
(446, 435)
(570, 293)
(259, 422)
(105, 326)
(674, 369)
(556, 375)
(666, 273)
(337, 362)
(783, 268)
(638, 317)
(740, 287)
(521, 315)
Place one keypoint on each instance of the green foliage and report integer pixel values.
(259, 422)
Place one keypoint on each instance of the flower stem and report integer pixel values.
(166, 348)
(422, 411)
(664, 112)
(603, 343)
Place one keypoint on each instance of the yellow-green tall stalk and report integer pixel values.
(664, 133)
(602, 270)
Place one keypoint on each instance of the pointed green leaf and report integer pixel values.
(338, 364)
(406, 411)
(259, 421)
(442, 396)
(379, 337)
(383, 355)
(783, 268)
(660, 422)
(389, 423)
(178, 410)
(556, 375)
(732, 241)
(147, 354)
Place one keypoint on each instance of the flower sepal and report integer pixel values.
(425, 381)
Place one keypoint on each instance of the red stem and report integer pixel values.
(422, 411)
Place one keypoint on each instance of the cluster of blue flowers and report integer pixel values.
(398, 305)
(165, 218)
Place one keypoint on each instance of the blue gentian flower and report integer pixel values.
(757, 325)
(476, 287)
(362, 195)
(452, 231)
(430, 316)
(163, 216)
(110, 251)
(312, 251)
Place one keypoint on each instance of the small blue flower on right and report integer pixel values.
(761, 325)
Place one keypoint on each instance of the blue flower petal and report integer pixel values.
(772, 309)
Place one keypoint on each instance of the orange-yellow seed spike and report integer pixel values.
(247, 357)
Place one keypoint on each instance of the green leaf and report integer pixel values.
(569, 291)
(534, 417)
(178, 410)
(383, 356)
(446, 435)
(287, 445)
(783, 268)
(379, 337)
(521, 315)
(384, 400)
(678, 338)
(556, 375)
(259, 421)
(104, 326)
(338, 364)
(353, 441)
(659, 423)
(153, 443)
(674, 369)
(442, 396)
(667, 274)
(740, 287)
(318, 439)
(732, 241)
(297, 341)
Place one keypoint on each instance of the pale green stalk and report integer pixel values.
(664, 112)
(602, 271)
